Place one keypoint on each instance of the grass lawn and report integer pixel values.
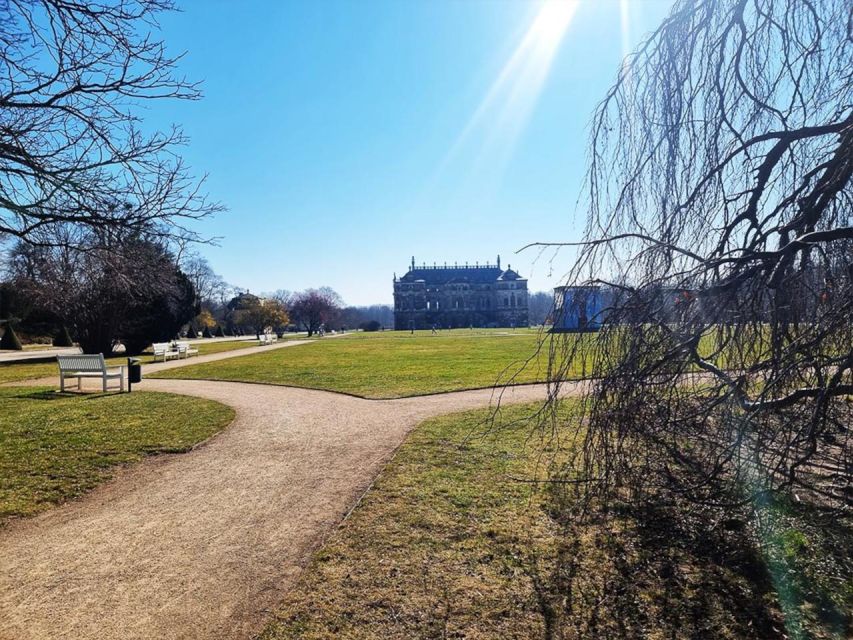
(17, 371)
(55, 447)
(447, 544)
(389, 364)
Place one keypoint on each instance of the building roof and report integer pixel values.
(469, 274)
(243, 301)
(509, 274)
(448, 275)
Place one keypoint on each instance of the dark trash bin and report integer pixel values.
(134, 372)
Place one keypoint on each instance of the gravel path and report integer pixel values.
(203, 545)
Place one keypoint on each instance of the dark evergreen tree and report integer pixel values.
(10, 339)
(116, 290)
(160, 317)
(63, 338)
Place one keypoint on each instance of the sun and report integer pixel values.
(551, 23)
(504, 111)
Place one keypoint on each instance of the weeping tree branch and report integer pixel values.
(720, 236)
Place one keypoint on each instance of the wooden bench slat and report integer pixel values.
(87, 366)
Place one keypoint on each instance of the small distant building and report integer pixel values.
(243, 301)
(466, 295)
(578, 308)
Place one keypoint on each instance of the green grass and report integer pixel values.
(389, 364)
(449, 544)
(18, 371)
(54, 447)
(434, 549)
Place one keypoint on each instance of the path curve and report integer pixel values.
(204, 544)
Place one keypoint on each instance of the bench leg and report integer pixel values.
(61, 383)
(79, 383)
(105, 384)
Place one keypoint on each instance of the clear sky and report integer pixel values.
(346, 137)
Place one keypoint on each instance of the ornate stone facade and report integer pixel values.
(460, 296)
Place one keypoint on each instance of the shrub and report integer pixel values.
(63, 338)
(371, 325)
(206, 333)
(191, 334)
(219, 333)
(10, 339)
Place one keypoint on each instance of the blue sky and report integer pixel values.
(347, 136)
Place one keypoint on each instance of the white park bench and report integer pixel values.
(164, 350)
(87, 366)
(268, 338)
(185, 350)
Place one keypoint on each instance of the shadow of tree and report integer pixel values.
(656, 571)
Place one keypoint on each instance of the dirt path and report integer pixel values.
(203, 545)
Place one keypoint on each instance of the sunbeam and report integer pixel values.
(506, 108)
(625, 24)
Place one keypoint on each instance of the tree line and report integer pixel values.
(109, 289)
(97, 211)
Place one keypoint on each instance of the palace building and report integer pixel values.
(478, 295)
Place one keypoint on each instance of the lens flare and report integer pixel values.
(507, 106)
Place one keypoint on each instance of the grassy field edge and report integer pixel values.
(447, 543)
(57, 447)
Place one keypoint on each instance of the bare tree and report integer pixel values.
(283, 296)
(106, 290)
(720, 233)
(313, 308)
(210, 287)
(540, 306)
(72, 75)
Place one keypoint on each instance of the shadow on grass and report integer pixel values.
(673, 572)
(656, 571)
(54, 395)
(809, 553)
(45, 394)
